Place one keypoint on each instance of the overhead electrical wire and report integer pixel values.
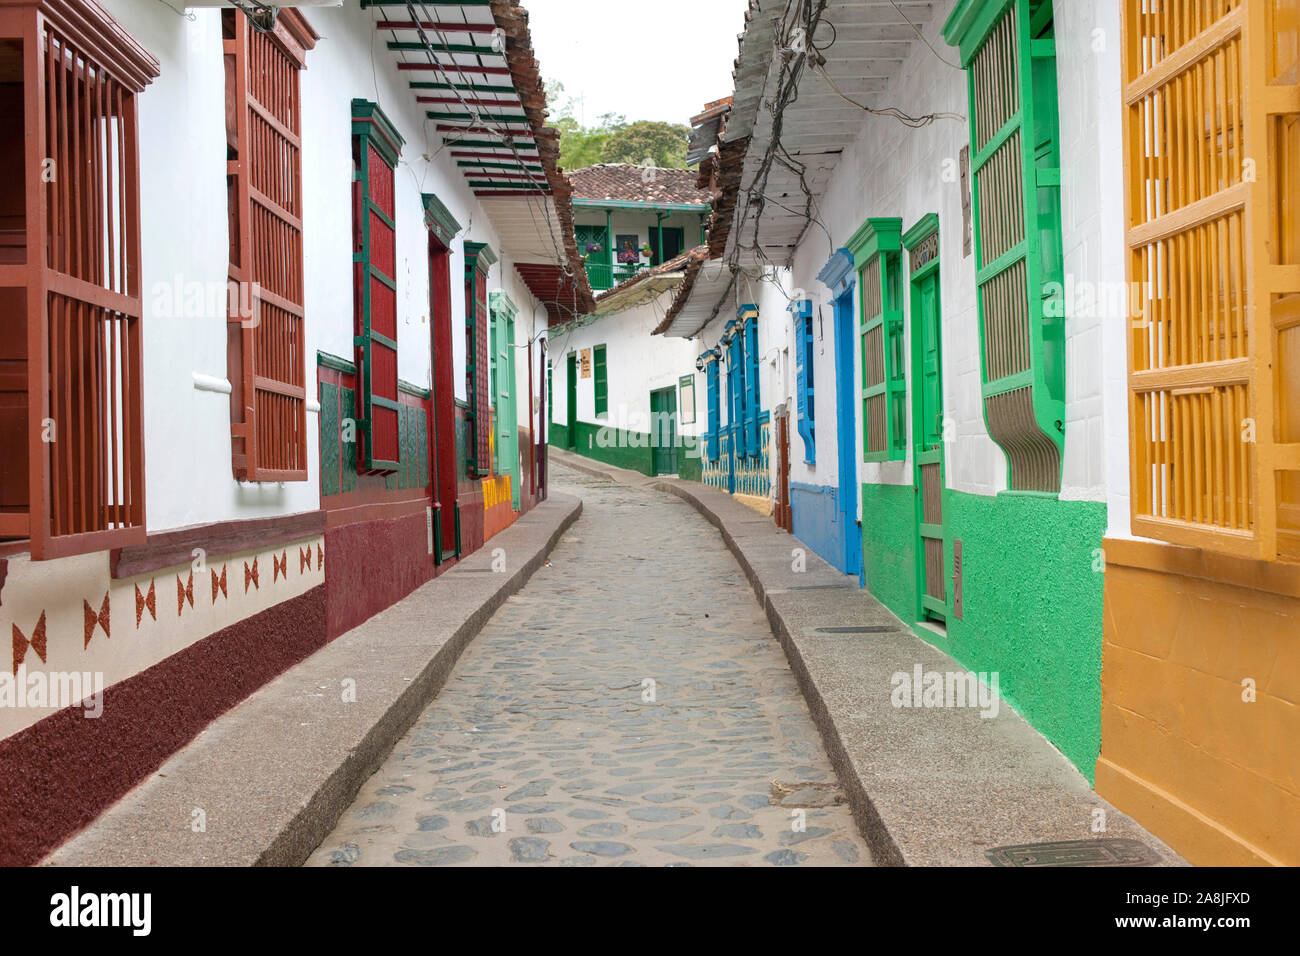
(507, 138)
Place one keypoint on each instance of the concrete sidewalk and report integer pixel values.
(928, 786)
(270, 778)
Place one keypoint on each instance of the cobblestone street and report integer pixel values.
(541, 749)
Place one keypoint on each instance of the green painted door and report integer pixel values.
(663, 431)
(572, 396)
(928, 432)
(593, 244)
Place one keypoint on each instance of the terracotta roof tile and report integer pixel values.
(624, 182)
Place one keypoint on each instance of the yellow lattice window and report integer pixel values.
(1212, 134)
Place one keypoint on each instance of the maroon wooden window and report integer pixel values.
(478, 259)
(266, 351)
(71, 405)
(376, 147)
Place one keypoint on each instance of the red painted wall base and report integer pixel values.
(62, 772)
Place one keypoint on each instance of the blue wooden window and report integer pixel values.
(734, 342)
(710, 360)
(805, 404)
(749, 318)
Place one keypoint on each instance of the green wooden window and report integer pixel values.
(922, 245)
(1008, 49)
(600, 374)
(876, 249)
(375, 150)
(550, 392)
(505, 460)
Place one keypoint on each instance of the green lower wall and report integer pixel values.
(630, 450)
(1032, 601)
(690, 467)
(889, 547)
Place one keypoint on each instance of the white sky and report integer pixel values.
(647, 59)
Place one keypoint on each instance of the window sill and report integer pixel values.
(1272, 577)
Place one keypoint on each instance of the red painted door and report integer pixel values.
(443, 422)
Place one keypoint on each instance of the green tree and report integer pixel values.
(580, 145)
(663, 143)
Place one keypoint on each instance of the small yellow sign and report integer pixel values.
(584, 359)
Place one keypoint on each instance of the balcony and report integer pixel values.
(603, 276)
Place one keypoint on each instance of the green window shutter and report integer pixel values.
(376, 147)
(1008, 50)
(505, 449)
(876, 255)
(550, 392)
(601, 380)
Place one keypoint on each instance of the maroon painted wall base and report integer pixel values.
(62, 772)
(371, 565)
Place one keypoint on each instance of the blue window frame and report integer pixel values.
(710, 360)
(805, 393)
(734, 341)
(748, 316)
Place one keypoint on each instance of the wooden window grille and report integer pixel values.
(804, 399)
(1009, 52)
(266, 346)
(71, 403)
(479, 257)
(1212, 146)
(749, 330)
(376, 147)
(876, 249)
(600, 379)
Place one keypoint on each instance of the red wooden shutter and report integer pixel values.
(70, 281)
(478, 259)
(376, 147)
(266, 358)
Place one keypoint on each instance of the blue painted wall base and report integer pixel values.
(819, 524)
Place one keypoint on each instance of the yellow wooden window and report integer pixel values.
(1212, 144)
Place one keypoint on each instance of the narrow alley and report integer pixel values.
(546, 747)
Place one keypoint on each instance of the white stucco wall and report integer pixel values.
(893, 171)
(637, 363)
(184, 240)
(775, 376)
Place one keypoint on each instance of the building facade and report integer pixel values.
(271, 354)
(1022, 291)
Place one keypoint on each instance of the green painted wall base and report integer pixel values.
(690, 467)
(889, 547)
(623, 449)
(1032, 600)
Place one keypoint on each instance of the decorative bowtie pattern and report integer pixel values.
(93, 620)
(142, 602)
(304, 559)
(37, 643)
(279, 566)
(250, 576)
(219, 584)
(183, 592)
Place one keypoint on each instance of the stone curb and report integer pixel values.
(399, 659)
